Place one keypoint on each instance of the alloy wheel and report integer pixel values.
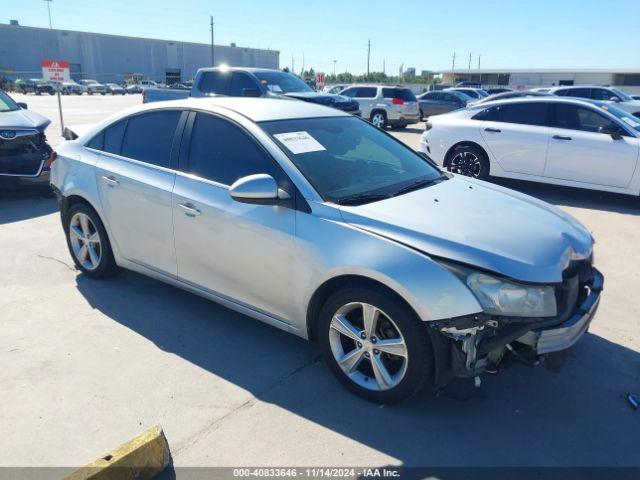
(85, 241)
(466, 163)
(378, 120)
(368, 346)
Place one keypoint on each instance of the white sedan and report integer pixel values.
(562, 141)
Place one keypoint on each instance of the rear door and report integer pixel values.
(366, 97)
(135, 176)
(243, 85)
(517, 136)
(579, 152)
(214, 82)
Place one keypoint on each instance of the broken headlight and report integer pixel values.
(499, 296)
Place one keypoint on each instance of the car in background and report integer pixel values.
(115, 89)
(635, 97)
(25, 155)
(252, 82)
(92, 86)
(134, 88)
(469, 84)
(393, 106)
(562, 141)
(436, 103)
(34, 85)
(317, 223)
(511, 94)
(495, 91)
(476, 93)
(605, 94)
(69, 88)
(334, 88)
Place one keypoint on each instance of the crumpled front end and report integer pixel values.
(24, 156)
(472, 345)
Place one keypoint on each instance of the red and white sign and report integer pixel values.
(55, 71)
(319, 79)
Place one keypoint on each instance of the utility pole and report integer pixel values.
(479, 57)
(368, 57)
(302, 72)
(213, 55)
(469, 60)
(384, 66)
(453, 63)
(334, 68)
(49, 11)
(293, 65)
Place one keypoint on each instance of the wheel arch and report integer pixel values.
(324, 291)
(465, 143)
(378, 110)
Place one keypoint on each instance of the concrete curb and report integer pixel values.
(141, 458)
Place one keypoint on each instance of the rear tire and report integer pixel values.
(88, 242)
(405, 371)
(470, 161)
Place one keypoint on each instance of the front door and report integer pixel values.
(578, 152)
(135, 181)
(242, 252)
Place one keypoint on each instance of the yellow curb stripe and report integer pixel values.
(141, 458)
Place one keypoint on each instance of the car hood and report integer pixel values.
(21, 119)
(328, 99)
(481, 225)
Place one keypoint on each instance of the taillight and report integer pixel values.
(52, 158)
(397, 101)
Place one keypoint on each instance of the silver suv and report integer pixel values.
(385, 105)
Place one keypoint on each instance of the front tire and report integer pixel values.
(375, 345)
(470, 161)
(88, 242)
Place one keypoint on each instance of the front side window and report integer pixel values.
(222, 152)
(241, 82)
(347, 159)
(575, 92)
(149, 137)
(602, 94)
(573, 117)
(7, 104)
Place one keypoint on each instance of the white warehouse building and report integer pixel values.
(627, 79)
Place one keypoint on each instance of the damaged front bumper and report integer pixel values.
(469, 346)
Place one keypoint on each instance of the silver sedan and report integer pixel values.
(320, 224)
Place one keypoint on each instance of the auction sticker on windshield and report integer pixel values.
(299, 142)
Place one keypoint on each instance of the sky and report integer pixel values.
(422, 34)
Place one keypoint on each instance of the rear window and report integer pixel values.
(214, 82)
(401, 93)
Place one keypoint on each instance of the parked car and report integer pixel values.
(115, 89)
(435, 103)
(562, 141)
(34, 85)
(495, 91)
(635, 97)
(605, 94)
(252, 82)
(476, 93)
(71, 87)
(386, 105)
(135, 88)
(250, 216)
(474, 85)
(511, 94)
(92, 86)
(25, 155)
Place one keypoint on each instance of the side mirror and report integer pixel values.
(259, 189)
(251, 92)
(22, 105)
(613, 130)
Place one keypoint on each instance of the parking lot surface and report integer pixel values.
(88, 364)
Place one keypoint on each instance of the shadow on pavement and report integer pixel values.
(575, 197)
(24, 204)
(521, 417)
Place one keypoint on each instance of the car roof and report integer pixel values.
(255, 109)
(537, 99)
(578, 86)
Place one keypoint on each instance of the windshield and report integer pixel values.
(626, 117)
(345, 157)
(623, 96)
(282, 82)
(7, 104)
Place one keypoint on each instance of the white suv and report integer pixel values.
(385, 105)
(603, 94)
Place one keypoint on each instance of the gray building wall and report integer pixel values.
(110, 58)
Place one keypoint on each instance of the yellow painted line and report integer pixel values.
(141, 458)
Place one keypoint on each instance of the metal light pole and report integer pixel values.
(334, 68)
(213, 55)
(49, 11)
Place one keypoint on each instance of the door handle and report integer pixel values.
(111, 180)
(189, 209)
(561, 137)
(493, 130)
